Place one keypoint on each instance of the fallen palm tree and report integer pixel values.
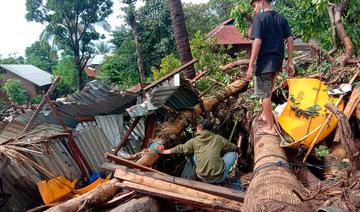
(273, 186)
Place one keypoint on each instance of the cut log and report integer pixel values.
(271, 188)
(347, 139)
(349, 109)
(97, 196)
(181, 198)
(170, 187)
(199, 186)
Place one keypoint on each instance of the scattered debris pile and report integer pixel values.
(101, 133)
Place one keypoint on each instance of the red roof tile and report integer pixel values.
(227, 33)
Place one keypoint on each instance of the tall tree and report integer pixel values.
(131, 20)
(41, 54)
(72, 24)
(181, 35)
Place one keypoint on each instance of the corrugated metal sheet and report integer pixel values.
(171, 92)
(29, 72)
(112, 126)
(95, 99)
(21, 180)
(114, 129)
(92, 143)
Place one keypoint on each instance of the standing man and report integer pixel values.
(213, 154)
(269, 32)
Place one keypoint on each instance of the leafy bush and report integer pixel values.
(37, 99)
(116, 70)
(168, 64)
(67, 71)
(15, 92)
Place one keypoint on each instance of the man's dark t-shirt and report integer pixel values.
(272, 29)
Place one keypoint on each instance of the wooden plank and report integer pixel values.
(199, 186)
(349, 109)
(181, 198)
(155, 183)
(130, 163)
(179, 69)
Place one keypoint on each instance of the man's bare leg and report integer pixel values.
(267, 111)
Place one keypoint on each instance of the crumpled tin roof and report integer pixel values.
(95, 99)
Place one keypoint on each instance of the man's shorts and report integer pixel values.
(264, 84)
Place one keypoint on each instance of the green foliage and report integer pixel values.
(72, 23)
(67, 71)
(308, 19)
(12, 59)
(242, 13)
(37, 99)
(156, 37)
(321, 152)
(116, 70)
(40, 54)
(15, 92)
(201, 17)
(102, 47)
(211, 55)
(168, 64)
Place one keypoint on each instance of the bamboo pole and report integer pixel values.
(328, 118)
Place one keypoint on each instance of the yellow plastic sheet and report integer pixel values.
(307, 94)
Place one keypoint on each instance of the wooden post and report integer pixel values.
(127, 134)
(41, 105)
(272, 184)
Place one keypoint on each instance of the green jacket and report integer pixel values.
(207, 148)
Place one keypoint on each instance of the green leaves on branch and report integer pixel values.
(15, 92)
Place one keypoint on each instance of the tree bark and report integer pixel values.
(181, 35)
(338, 29)
(168, 131)
(132, 23)
(347, 139)
(148, 204)
(273, 183)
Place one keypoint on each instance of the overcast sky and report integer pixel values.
(17, 34)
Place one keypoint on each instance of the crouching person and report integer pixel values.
(213, 154)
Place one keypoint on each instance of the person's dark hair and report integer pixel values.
(205, 124)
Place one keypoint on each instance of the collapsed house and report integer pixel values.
(95, 121)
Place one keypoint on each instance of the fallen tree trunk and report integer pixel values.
(168, 131)
(273, 184)
(97, 196)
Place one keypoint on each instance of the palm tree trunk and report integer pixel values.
(181, 35)
(138, 49)
(131, 13)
